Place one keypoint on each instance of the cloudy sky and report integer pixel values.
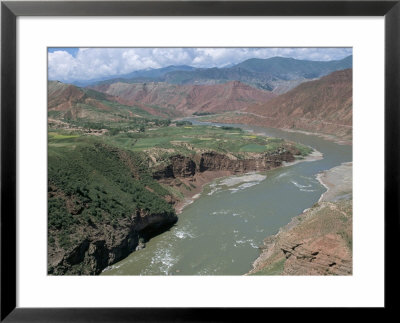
(80, 64)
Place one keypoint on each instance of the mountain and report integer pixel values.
(158, 72)
(324, 105)
(277, 74)
(145, 75)
(290, 68)
(69, 102)
(186, 99)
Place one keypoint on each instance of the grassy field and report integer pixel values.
(187, 139)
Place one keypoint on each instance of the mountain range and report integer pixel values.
(277, 74)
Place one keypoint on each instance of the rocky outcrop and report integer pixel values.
(317, 242)
(181, 166)
(106, 245)
(303, 258)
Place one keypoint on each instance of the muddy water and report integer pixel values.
(220, 232)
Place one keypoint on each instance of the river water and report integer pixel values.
(219, 233)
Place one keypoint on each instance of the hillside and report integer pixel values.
(323, 106)
(82, 106)
(99, 207)
(186, 100)
(71, 103)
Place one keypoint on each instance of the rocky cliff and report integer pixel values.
(105, 244)
(181, 166)
(319, 241)
(188, 175)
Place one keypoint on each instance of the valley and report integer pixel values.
(148, 170)
(109, 194)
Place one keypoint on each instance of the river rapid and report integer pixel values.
(219, 233)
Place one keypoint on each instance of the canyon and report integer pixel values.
(126, 156)
(101, 245)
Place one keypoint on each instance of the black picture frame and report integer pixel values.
(10, 10)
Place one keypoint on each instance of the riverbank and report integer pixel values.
(203, 179)
(244, 118)
(318, 241)
(338, 182)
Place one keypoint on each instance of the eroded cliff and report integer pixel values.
(319, 241)
(96, 245)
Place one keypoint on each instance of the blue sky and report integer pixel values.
(70, 50)
(68, 64)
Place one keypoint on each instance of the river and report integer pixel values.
(219, 233)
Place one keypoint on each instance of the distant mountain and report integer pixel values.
(289, 68)
(186, 99)
(158, 72)
(277, 74)
(146, 75)
(324, 105)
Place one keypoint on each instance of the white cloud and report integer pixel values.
(91, 63)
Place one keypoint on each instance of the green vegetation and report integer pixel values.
(188, 139)
(92, 183)
(128, 125)
(304, 150)
(197, 113)
(182, 123)
(58, 136)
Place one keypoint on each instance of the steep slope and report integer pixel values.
(323, 105)
(101, 202)
(187, 99)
